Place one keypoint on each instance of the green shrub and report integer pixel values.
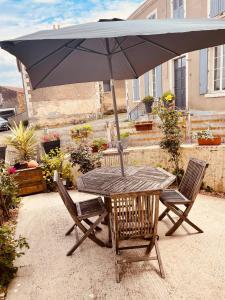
(10, 249)
(148, 99)
(86, 160)
(52, 161)
(8, 189)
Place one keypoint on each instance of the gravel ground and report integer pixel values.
(194, 263)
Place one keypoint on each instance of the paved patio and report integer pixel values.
(194, 263)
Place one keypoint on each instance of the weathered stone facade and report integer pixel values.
(68, 104)
(12, 97)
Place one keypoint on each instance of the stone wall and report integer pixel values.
(154, 156)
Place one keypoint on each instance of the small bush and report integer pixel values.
(86, 160)
(10, 249)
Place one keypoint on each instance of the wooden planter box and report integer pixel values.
(30, 181)
(209, 142)
(52, 145)
(141, 126)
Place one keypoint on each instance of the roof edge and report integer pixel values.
(141, 8)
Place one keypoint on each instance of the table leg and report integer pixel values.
(108, 206)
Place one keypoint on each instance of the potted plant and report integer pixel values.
(2, 152)
(51, 141)
(168, 99)
(81, 132)
(23, 140)
(206, 138)
(124, 138)
(148, 101)
(99, 144)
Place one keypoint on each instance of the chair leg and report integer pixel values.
(150, 246)
(183, 218)
(88, 233)
(97, 228)
(159, 259)
(70, 230)
(163, 214)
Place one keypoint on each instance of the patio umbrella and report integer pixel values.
(110, 50)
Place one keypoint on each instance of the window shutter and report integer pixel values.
(222, 6)
(203, 71)
(214, 8)
(136, 89)
(106, 86)
(146, 83)
(159, 81)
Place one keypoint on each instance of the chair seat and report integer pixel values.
(173, 197)
(90, 208)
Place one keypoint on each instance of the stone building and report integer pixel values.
(11, 100)
(197, 78)
(68, 104)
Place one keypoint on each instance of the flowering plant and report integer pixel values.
(168, 97)
(50, 137)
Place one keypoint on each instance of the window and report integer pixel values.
(217, 7)
(154, 82)
(136, 90)
(152, 16)
(219, 68)
(106, 86)
(146, 84)
(178, 9)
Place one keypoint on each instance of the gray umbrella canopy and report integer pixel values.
(80, 53)
(110, 50)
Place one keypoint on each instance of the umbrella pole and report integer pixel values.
(119, 145)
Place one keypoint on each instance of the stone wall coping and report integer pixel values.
(143, 148)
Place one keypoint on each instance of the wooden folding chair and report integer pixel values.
(82, 211)
(185, 195)
(134, 217)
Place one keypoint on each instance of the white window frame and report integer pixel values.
(185, 8)
(136, 100)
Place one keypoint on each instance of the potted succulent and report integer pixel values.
(51, 141)
(81, 132)
(206, 138)
(2, 152)
(99, 144)
(23, 140)
(148, 101)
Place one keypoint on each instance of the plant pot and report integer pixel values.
(142, 126)
(209, 142)
(21, 165)
(51, 145)
(148, 107)
(2, 153)
(95, 148)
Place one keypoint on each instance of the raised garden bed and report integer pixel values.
(30, 181)
(144, 125)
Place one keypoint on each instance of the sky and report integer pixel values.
(20, 17)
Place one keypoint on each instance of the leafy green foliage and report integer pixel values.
(148, 99)
(23, 140)
(203, 134)
(10, 249)
(124, 135)
(52, 161)
(8, 190)
(172, 136)
(86, 160)
(81, 132)
(99, 142)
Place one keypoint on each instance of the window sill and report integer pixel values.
(215, 94)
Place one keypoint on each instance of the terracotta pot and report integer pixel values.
(143, 126)
(95, 149)
(52, 145)
(209, 142)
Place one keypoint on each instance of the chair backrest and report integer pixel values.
(67, 200)
(135, 215)
(192, 179)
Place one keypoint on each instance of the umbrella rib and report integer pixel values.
(124, 49)
(125, 55)
(52, 69)
(159, 46)
(88, 50)
(53, 52)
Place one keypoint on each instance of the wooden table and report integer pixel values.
(107, 181)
